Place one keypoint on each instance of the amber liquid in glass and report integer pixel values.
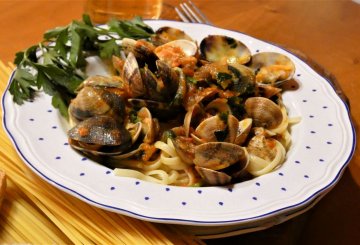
(101, 11)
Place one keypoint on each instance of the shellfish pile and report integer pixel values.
(218, 105)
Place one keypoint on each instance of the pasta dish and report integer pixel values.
(178, 113)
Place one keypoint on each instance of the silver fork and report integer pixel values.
(188, 12)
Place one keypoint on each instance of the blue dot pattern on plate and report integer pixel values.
(202, 194)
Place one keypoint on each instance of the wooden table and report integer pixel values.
(327, 31)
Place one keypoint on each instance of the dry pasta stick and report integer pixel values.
(40, 205)
(55, 203)
(47, 228)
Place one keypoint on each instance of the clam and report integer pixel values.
(219, 155)
(132, 76)
(153, 86)
(169, 77)
(142, 50)
(267, 91)
(96, 101)
(213, 177)
(243, 131)
(193, 117)
(264, 112)
(100, 135)
(220, 127)
(102, 81)
(262, 147)
(167, 34)
(212, 129)
(185, 148)
(175, 52)
(216, 48)
(218, 105)
(148, 125)
(135, 130)
(186, 47)
(272, 68)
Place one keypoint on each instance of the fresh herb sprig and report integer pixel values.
(56, 65)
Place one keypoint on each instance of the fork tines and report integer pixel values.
(188, 12)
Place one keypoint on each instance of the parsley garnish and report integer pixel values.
(56, 65)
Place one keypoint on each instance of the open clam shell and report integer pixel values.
(219, 155)
(264, 112)
(213, 177)
(217, 48)
(100, 135)
(272, 68)
(167, 34)
(132, 76)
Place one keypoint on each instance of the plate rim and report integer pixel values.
(279, 211)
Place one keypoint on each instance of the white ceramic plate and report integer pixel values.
(323, 143)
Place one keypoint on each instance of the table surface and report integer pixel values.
(328, 31)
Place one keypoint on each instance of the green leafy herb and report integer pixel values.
(56, 65)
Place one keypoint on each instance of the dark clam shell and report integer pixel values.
(102, 131)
